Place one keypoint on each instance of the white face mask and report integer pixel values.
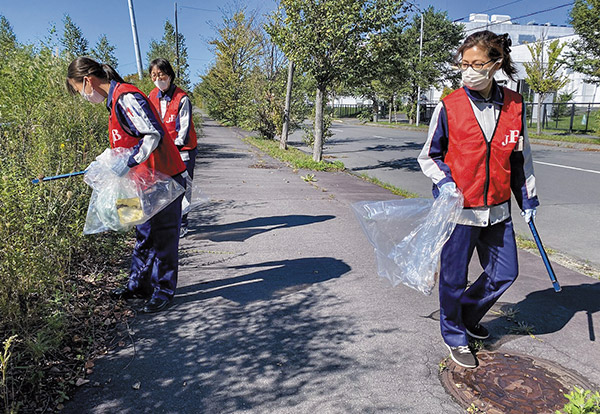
(478, 80)
(95, 97)
(163, 85)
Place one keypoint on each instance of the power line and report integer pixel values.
(197, 8)
(488, 10)
(520, 17)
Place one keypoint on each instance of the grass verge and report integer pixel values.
(393, 189)
(574, 139)
(293, 156)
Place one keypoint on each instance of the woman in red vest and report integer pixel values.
(134, 123)
(478, 144)
(175, 110)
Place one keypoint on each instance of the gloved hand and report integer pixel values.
(449, 188)
(119, 166)
(528, 214)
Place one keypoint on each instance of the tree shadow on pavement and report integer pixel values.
(275, 278)
(410, 164)
(243, 230)
(245, 354)
(543, 312)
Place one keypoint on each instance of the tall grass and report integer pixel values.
(43, 131)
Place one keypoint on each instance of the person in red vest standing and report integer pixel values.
(134, 123)
(175, 110)
(478, 144)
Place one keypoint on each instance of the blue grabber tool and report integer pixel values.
(540, 246)
(56, 177)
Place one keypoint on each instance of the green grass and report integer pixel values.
(566, 138)
(393, 189)
(293, 156)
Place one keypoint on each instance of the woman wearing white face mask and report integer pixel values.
(175, 109)
(134, 123)
(478, 144)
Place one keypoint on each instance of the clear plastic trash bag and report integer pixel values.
(121, 202)
(408, 236)
(192, 192)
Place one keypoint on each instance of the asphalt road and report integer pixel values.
(568, 181)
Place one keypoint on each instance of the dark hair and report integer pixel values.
(496, 46)
(84, 66)
(164, 66)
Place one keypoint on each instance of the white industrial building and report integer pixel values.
(522, 35)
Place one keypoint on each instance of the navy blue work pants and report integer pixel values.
(460, 306)
(155, 258)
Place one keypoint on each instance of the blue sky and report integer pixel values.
(31, 20)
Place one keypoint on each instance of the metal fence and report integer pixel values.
(568, 117)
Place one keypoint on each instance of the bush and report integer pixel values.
(44, 131)
(582, 402)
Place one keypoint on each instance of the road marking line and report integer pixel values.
(378, 136)
(566, 166)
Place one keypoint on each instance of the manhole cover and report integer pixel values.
(506, 383)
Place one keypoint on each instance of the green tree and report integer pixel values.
(8, 40)
(105, 52)
(585, 56)
(441, 37)
(544, 72)
(225, 88)
(326, 39)
(166, 48)
(73, 40)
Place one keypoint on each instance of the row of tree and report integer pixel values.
(381, 50)
(368, 48)
(75, 43)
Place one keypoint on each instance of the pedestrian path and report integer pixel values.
(279, 309)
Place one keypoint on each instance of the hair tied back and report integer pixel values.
(507, 41)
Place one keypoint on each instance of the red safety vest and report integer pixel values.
(481, 169)
(164, 158)
(171, 114)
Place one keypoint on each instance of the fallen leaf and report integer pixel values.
(81, 381)
(89, 364)
(136, 386)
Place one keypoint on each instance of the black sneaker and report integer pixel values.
(478, 332)
(463, 356)
(155, 305)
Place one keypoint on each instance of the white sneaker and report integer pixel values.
(183, 231)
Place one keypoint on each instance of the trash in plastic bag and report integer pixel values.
(408, 236)
(121, 202)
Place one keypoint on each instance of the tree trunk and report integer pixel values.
(390, 111)
(286, 112)
(539, 114)
(375, 109)
(318, 144)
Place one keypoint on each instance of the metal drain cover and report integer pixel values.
(506, 383)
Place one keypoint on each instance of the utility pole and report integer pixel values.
(286, 113)
(176, 42)
(136, 45)
(419, 86)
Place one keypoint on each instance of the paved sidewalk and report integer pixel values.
(279, 308)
